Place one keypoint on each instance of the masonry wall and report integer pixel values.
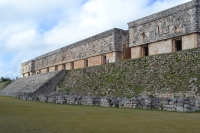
(69, 66)
(174, 22)
(28, 67)
(160, 47)
(72, 56)
(136, 52)
(43, 71)
(106, 42)
(79, 64)
(94, 61)
(190, 41)
(26, 75)
(113, 57)
(52, 69)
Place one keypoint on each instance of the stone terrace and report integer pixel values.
(36, 84)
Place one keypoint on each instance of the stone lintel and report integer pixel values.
(27, 62)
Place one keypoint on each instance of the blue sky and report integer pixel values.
(29, 28)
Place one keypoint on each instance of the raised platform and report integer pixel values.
(34, 85)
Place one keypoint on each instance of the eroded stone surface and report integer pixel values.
(166, 104)
(33, 85)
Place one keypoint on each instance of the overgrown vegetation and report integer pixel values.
(18, 116)
(2, 79)
(173, 72)
(4, 82)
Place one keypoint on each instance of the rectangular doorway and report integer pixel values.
(86, 62)
(145, 51)
(178, 45)
(63, 67)
(56, 68)
(72, 65)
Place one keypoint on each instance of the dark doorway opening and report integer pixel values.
(178, 45)
(104, 60)
(64, 67)
(72, 65)
(56, 68)
(146, 51)
(47, 70)
(86, 63)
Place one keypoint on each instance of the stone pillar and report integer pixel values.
(96, 60)
(190, 41)
(79, 64)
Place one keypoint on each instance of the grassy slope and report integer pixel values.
(17, 116)
(4, 84)
(167, 72)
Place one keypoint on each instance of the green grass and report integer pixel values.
(18, 116)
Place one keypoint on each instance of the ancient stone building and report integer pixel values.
(107, 47)
(168, 31)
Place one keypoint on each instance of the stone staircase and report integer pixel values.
(34, 85)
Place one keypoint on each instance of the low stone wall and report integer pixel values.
(165, 104)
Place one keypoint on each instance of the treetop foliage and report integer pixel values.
(3, 79)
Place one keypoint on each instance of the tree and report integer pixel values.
(4, 79)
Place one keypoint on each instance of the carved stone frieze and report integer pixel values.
(100, 44)
(27, 66)
(177, 21)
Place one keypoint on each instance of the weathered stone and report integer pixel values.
(180, 109)
(34, 85)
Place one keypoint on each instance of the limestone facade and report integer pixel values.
(168, 31)
(107, 47)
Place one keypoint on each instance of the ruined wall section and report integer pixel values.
(28, 67)
(96, 45)
(121, 39)
(174, 22)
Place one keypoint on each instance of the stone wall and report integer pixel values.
(165, 104)
(112, 43)
(177, 21)
(160, 47)
(109, 41)
(94, 61)
(190, 41)
(28, 67)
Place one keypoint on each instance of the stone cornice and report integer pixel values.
(164, 13)
(27, 62)
(87, 40)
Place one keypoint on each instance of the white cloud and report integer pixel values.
(30, 28)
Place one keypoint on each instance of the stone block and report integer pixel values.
(180, 109)
(186, 106)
